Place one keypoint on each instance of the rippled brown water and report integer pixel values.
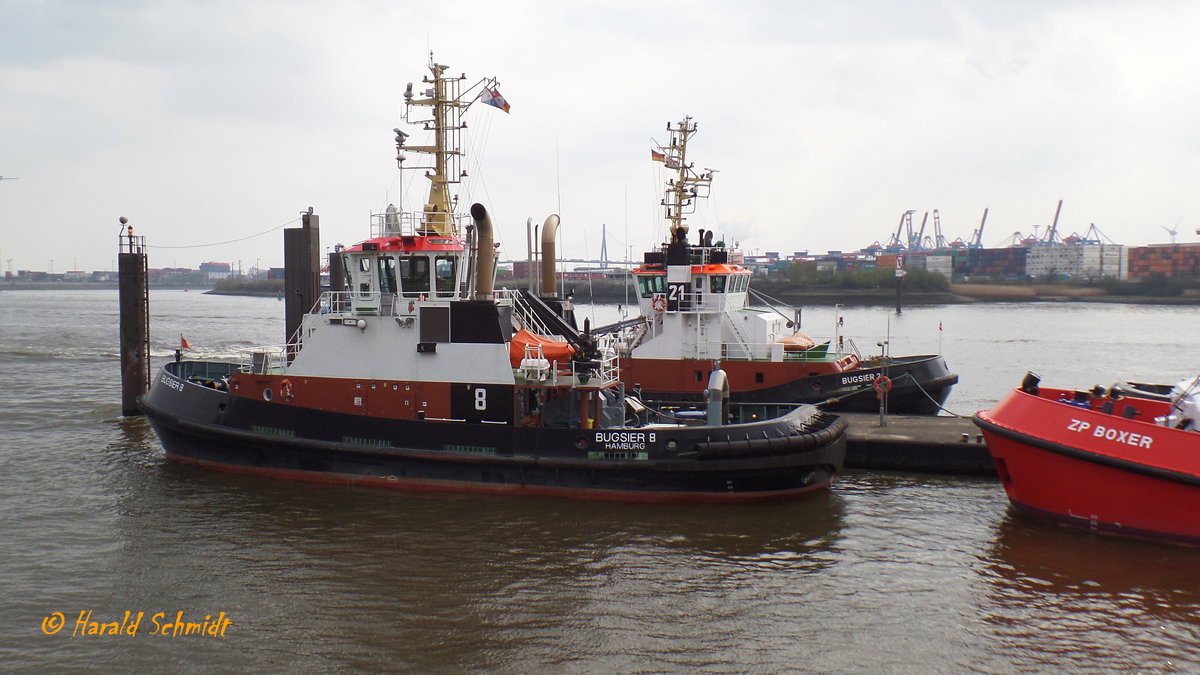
(884, 573)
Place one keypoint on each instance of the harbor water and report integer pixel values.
(885, 572)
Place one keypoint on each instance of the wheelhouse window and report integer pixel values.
(414, 275)
(718, 283)
(649, 284)
(444, 268)
(387, 274)
(364, 275)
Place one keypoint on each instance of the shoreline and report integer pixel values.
(85, 286)
(960, 294)
(610, 292)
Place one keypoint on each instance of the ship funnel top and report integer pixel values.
(549, 256)
(485, 273)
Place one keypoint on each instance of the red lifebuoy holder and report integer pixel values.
(659, 303)
(882, 386)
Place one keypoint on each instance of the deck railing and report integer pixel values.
(263, 360)
(365, 303)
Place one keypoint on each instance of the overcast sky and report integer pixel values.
(204, 122)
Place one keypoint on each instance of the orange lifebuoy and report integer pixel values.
(285, 388)
(659, 303)
(882, 385)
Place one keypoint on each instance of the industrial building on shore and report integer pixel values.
(1078, 261)
(1049, 256)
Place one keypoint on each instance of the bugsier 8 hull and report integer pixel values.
(231, 427)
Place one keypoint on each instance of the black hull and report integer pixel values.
(783, 457)
(920, 386)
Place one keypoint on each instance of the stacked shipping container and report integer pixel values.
(1171, 260)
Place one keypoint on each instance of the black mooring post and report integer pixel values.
(301, 272)
(134, 294)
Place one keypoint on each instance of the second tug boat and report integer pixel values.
(410, 377)
(695, 311)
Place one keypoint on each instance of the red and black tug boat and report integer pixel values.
(694, 310)
(1101, 459)
(414, 377)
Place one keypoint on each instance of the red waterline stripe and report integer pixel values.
(424, 485)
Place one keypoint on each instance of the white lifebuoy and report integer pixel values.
(285, 388)
(659, 303)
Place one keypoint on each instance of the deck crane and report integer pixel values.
(1019, 239)
(1051, 236)
(897, 241)
(916, 244)
(976, 239)
(977, 236)
(1095, 236)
